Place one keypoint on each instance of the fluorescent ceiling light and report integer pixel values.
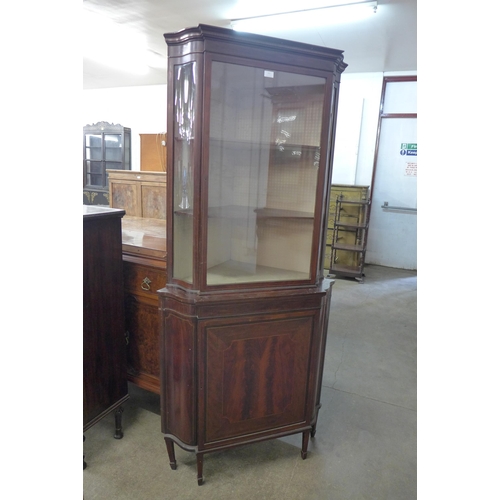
(343, 12)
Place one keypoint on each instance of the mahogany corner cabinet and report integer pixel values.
(244, 312)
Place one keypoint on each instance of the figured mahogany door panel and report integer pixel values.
(178, 402)
(143, 350)
(257, 375)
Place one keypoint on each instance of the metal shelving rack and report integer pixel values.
(348, 244)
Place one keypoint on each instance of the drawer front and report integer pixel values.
(143, 279)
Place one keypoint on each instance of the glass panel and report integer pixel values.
(94, 173)
(126, 156)
(93, 147)
(113, 145)
(265, 129)
(400, 97)
(184, 126)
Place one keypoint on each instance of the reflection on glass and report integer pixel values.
(93, 147)
(184, 105)
(265, 129)
(112, 147)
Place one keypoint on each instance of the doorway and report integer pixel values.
(392, 234)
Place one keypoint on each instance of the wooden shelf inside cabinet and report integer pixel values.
(347, 230)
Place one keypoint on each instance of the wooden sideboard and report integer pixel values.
(142, 196)
(104, 357)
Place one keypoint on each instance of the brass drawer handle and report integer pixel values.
(145, 284)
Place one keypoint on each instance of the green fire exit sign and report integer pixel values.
(408, 149)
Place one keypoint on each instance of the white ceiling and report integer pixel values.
(385, 42)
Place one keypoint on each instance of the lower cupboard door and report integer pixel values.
(257, 375)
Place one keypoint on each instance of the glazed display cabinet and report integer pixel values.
(245, 309)
(105, 146)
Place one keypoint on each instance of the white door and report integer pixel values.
(392, 234)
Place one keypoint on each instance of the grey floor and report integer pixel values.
(366, 441)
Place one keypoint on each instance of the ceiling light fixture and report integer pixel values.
(342, 12)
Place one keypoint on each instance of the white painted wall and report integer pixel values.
(357, 122)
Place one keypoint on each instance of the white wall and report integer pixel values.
(357, 122)
(144, 110)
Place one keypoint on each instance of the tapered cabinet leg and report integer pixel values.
(84, 463)
(199, 462)
(305, 442)
(171, 453)
(118, 423)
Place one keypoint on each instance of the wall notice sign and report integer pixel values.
(411, 169)
(408, 149)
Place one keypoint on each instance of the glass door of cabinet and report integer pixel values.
(264, 155)
(184, 92)
(93, 160)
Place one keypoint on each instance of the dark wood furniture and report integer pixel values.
(105, 146)
(245, 309)
(143, 196)
(104, 357)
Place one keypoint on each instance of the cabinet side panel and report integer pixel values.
(104, 369)
(178, 378)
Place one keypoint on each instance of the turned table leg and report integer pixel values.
(118, 423)
(171, 453)
(199, 463)
(305, 442)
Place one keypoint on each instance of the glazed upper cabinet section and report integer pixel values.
(265, 131)
(260, 170)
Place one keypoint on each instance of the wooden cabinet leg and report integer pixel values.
(84, 463)
(171, 453)
(305, 442)
(313, 431)
(118, 423)
(199, 462)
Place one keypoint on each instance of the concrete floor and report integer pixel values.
(366, 441)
